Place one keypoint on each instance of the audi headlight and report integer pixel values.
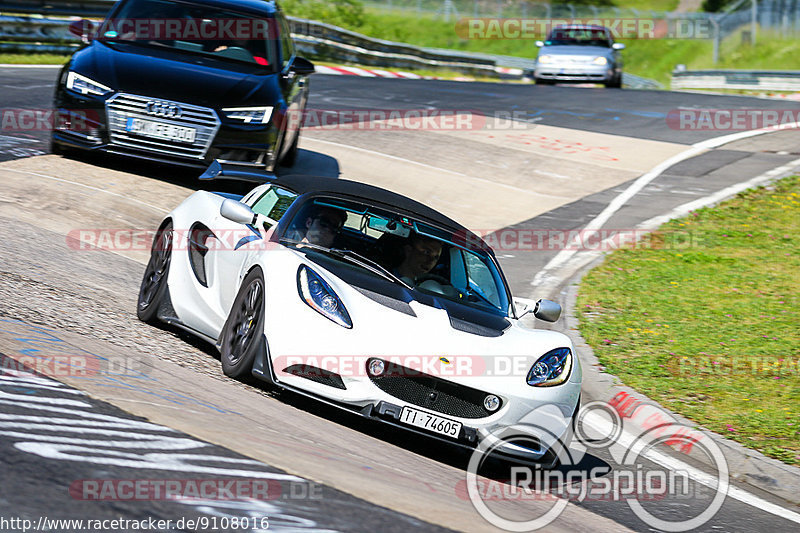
(545, 59)
(600, 60)
(83, 85)
(249, 115)
(320, 297)
(553, 368)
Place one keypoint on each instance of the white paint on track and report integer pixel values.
(626, 439)
(544, 277)
(425, 165)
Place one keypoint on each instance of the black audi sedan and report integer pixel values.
(185, 82)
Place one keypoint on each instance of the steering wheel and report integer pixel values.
(428, 277)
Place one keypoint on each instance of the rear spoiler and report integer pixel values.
(217, 170)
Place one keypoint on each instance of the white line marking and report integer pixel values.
(604, 426)
(128, 198)
(617, 203)
(27, 86)
(438, 169)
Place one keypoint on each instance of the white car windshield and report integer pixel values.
(419, 255)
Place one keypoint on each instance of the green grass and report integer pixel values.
(706, 323)
(33, 59)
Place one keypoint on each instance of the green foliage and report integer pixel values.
(344, 13)
(702, 317)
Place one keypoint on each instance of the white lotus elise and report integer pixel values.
(369, 301)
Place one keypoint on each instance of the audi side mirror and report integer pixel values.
(82, 28)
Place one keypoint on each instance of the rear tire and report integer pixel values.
(154, 282)
(243, 333)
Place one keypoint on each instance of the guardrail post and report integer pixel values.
(715, 24)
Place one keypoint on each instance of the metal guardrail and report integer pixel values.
(769, 80)
(317, 40)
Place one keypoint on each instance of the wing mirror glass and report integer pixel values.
(539, 43)
(237, 211)
(618, 46)
(546, 310)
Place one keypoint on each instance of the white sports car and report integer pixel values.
(369, 301)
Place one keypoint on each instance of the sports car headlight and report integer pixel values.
(320, 297)
(600, 60)
(83, 85)
(553, 368)
(248, 115)
(545, 59)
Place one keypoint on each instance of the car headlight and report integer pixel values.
(248, 115)
(545, 59)
(553, 368)
(600, 60)
(320, 297)
(83, 85)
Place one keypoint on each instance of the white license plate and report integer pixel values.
(431, 422)
(160, 130)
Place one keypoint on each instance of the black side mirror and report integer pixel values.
(302, 66)
(82, 28)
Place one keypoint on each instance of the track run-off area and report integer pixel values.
(510, 162)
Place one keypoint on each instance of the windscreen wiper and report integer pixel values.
(353, 257)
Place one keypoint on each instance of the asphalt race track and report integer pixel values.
(156, 405)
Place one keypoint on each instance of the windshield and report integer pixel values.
(579, 36)
(194, 29)
(400, 249)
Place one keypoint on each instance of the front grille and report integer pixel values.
(432, 393)
(121, 107)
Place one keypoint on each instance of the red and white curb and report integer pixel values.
(371, 73)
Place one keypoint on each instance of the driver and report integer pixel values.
(421, 254)
(323, 224)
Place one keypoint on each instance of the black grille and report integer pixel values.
(320, 375)
(432, 393)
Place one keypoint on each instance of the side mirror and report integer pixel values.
(539, 43)
(82, 28)
(541, 309)
(237, 211)
(547, 310)
(302, 66)
(618, 46)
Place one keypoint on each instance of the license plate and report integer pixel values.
(431, 422)
(160, 130)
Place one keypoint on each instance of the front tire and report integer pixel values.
(154, 282)
(291, 156)
(243, 333)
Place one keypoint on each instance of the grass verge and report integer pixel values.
(33, 59)
(703, 318)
